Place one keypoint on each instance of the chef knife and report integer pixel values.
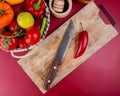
(65, 43)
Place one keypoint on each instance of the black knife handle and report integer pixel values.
(51, 75)
(107, 14)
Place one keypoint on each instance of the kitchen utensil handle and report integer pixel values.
(107, 14)
(51, 75)
(23, 56)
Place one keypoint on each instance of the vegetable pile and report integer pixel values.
(22, 23)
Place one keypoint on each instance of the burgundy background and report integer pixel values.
(98, 76)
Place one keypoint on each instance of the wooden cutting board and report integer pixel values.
(36, 65)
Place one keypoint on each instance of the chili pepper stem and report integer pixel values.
(81, 26)
(37, 5)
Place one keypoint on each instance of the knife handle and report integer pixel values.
(51, 74)
(107, 14)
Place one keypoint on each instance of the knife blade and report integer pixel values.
(63, 47)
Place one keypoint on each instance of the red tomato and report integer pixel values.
(0, 38)
(13, 26)
(32, 36)
(8, 43)
(2, 30)
(5, 34)
(22, 43)
(18, 8)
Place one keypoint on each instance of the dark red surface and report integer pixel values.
(98, 76)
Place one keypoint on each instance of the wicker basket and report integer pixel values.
(47, 14)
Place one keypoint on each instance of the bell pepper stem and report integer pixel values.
(37, 5)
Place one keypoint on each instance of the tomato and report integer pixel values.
(25, 20)
(22, 43)
(8, 43)
(13, 26)
(6, 14)
(32, 36)
(5, 33)
(1, 39)
(2, 29)
(18, 8)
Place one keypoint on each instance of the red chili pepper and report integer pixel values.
(82, 43)
(35, 7)
(38, 22)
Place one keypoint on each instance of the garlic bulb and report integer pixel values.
(58, 5)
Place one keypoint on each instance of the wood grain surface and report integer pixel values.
(37, 65)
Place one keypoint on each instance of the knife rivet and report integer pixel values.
(49, 81)
(55, 67)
